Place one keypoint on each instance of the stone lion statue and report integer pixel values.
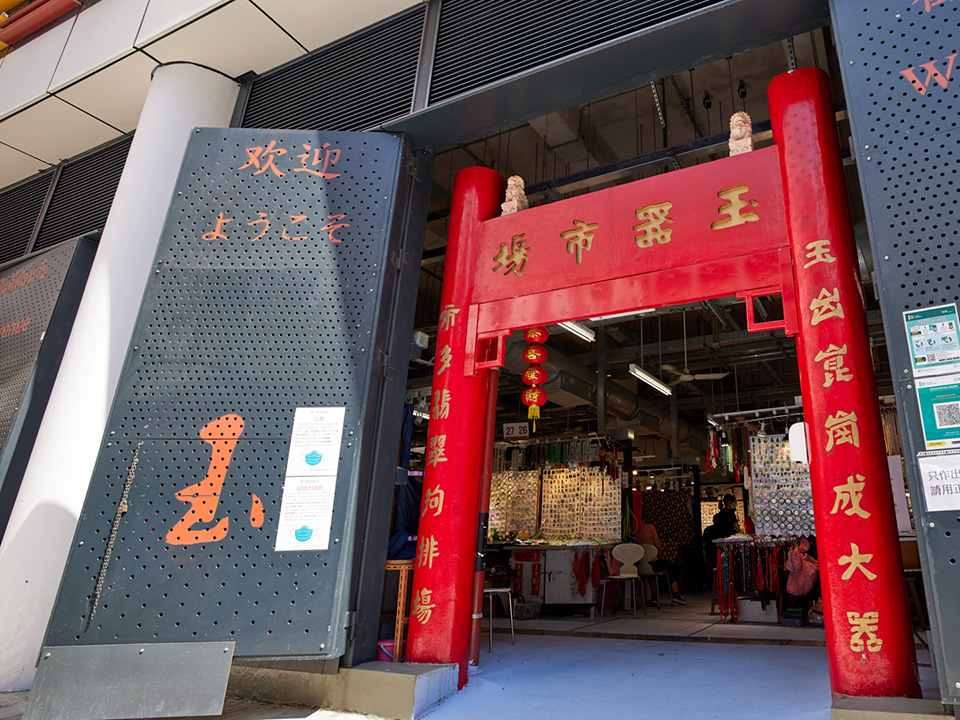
(741, 134)
(516, 198)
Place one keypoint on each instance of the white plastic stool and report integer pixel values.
(490, 593)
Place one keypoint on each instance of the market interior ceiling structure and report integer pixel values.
(660, 127)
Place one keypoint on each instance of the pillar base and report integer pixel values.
(846, 707)
(403, 691)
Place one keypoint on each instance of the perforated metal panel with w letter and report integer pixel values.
(272, 291)
(898, 59)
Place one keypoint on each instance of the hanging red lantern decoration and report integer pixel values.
(534, 375)
(536, 335)
(534, 354)
(534, 398)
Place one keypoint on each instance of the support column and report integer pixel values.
(486, 473)
(446, 550)
(44, 518)
(869, 633)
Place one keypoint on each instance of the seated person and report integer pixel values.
(648, 535)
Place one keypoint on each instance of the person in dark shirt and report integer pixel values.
(726, 520)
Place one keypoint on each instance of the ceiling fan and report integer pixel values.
(686, 375)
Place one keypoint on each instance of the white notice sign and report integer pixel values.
(306, 508)
(940, 478)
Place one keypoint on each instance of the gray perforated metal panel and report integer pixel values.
(267, 295)
(28, 294)
(904, 113)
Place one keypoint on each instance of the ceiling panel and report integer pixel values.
(97, 94)
(316, 24)
(15, 165)
(53, 130)
(165, 16)
(101, 34)
(26, 72)
(235, 39)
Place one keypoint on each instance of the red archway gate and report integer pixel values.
(773, 221)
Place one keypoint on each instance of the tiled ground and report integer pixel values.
(678, 662)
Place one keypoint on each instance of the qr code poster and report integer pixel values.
(940, 477)
(939, 400)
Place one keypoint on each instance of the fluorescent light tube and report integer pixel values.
(650, 380)
(581, 331)
(632, 313)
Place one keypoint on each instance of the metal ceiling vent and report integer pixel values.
(83, 194)
(19, 208)
(482, 41)
(356, 84)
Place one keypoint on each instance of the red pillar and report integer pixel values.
(869, 633)
(446, 550)
(486, 469)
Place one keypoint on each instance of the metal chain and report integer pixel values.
(121, 509)
(656, 99)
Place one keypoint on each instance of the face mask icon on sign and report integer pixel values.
(313, 458)
(303, 533)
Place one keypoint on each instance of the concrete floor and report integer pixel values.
(678, 662)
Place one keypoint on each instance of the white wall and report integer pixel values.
(41, 528)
